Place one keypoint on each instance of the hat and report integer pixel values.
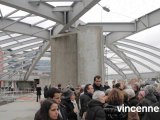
(67, 93)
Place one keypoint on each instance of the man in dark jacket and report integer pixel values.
(153, 115)
(85, 98)
(97, 85)
(45, 91)
(38, 89)
(95, 107)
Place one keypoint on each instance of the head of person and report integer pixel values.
(113, 82)
(68, 94)
(59, 86)
(141, 95)
(99, 96)
(55, 94)
(130, 93)
(49, 110)
(136, 87)
(88, 89)
(106, 83)
(119, 86)
(115, 97)
(150, 89)
(97, 80)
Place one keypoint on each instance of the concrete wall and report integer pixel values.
(76, 58)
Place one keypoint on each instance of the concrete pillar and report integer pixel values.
(64, 60)
(90, 54)
(77, 58)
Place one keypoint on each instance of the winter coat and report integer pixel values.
(147, 101)
(71, 115)
(45, 92)
(84, 100)
(63, 111)
(38, 89)
(101, 88)
(106, 87)
(112, 113)
(152, 115)
(133, 101)
(95, 111)
(152, 98)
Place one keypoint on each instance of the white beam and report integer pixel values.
(138, 49)
(114, 66)
(147, 21)
(140, 56)
(21, 37)
(39, 22)
(115, 27)
(10, 13)
(144, 65)
(31, 53)
(24, 28)
(145, 76)
(22, 49)
(21, 43)
(17, 62)
(125, 59)
(43, 10)
(79, 9)
(4, 34)
(62, 9)
(14, 70)
(142, 44)
(12, 23)
(45, 46)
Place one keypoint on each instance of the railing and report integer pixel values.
(7, 96)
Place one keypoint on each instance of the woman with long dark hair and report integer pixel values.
(48, 111)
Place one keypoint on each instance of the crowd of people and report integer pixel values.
(97, 102)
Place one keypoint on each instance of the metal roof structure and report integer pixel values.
(131, 37)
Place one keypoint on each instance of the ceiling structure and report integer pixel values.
(26, 27)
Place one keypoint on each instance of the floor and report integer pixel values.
(24, 108)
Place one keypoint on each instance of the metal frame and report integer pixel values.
(66, 18)
(144, 65)
(140, 56)
(43, 10)
(138, 49)
(115, 67)
(124, 58)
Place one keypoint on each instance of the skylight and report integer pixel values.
(60, 3)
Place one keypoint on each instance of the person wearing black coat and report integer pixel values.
(97, 83)
(115, 100)
(95, 107)
(153, 115)
(38, 89)
(66, 101)
(85, 98)
(45, 91)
